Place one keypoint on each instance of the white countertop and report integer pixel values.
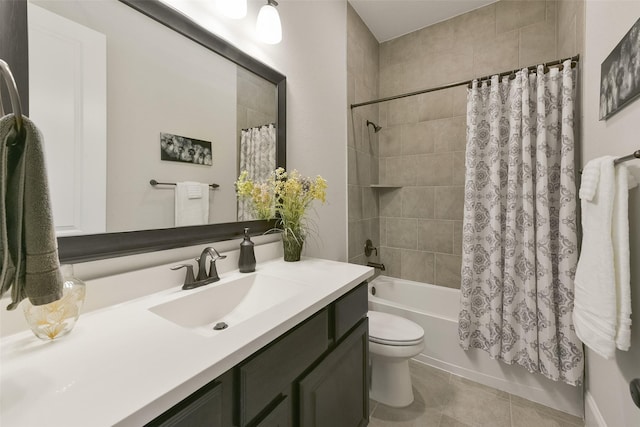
(124, 365)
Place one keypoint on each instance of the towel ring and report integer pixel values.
(16, 107)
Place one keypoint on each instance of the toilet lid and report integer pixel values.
(390, 329)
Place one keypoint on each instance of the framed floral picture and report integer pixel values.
(620, 74)
(178, 148)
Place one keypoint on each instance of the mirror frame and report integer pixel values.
(93, 247)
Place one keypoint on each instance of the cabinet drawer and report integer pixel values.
(274, 368)
(350, 309)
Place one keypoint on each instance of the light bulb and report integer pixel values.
(234, 9)
(268, 26)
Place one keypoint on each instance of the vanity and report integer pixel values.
(295, 353)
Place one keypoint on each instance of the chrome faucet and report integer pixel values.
(212, 276)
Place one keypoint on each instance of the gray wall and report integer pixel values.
(162, 82)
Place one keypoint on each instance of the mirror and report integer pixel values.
(133, 144)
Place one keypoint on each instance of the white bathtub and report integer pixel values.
(435, 308)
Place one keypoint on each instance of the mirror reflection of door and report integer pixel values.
(72, 116)
(156, 81)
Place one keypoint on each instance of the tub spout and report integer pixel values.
(379, 266)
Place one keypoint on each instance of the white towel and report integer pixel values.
(589, 180)
(194, 191)
(620, 236)
(192, 203)
(602, 307)
(594, 313)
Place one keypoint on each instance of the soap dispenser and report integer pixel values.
(247, 261)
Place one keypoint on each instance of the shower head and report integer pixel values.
(376, 128)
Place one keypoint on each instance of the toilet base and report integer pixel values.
(391, 381)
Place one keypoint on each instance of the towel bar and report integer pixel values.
(634, 155)
(16, 107)
(153, 182)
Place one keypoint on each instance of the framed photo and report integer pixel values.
(178, 148)
(620, 74)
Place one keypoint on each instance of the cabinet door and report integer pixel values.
(273, 369)
(279, 416)
(336, 392)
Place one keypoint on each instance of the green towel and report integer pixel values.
(29, 253)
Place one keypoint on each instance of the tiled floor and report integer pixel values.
(446, 400)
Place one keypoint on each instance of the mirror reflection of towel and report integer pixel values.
(192, 203)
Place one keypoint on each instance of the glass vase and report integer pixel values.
(56, 319)
(292, 247)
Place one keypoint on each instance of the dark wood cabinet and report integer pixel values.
(202, 408)
(349, 310)
(280, 416)
(269, 372)
(314, 375)
(336, 392)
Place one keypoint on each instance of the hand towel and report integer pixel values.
(595, 309)
(29, 257)
(194, 191)
(620, 237)
(192, 210)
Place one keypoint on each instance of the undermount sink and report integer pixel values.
(227, 304)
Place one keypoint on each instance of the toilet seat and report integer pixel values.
(388, 329)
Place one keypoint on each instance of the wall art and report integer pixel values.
(178, 148)
(620, 74)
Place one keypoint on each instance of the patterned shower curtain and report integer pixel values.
(258, 158)
(520, 234)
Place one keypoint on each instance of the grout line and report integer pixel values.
(510, 411)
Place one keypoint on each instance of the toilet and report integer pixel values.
(393, 340)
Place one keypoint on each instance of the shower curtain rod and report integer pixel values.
(573, 59)
(261, 126)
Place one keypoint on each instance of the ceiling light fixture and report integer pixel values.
(234, 9)
(268, 26)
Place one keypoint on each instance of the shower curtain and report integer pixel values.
(519, 233)
(258, 158)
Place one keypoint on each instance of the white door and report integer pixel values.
(68, 103)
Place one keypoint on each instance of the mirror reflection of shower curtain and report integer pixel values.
(258, 158)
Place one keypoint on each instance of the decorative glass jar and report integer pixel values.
(54, 320)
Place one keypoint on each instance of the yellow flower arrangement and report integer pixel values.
(285, 196)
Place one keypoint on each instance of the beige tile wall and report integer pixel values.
(418, 227)
(423, 138)
(502, 36)
(571, 19)
(362, 142)
(257, 103)
(421, 222)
